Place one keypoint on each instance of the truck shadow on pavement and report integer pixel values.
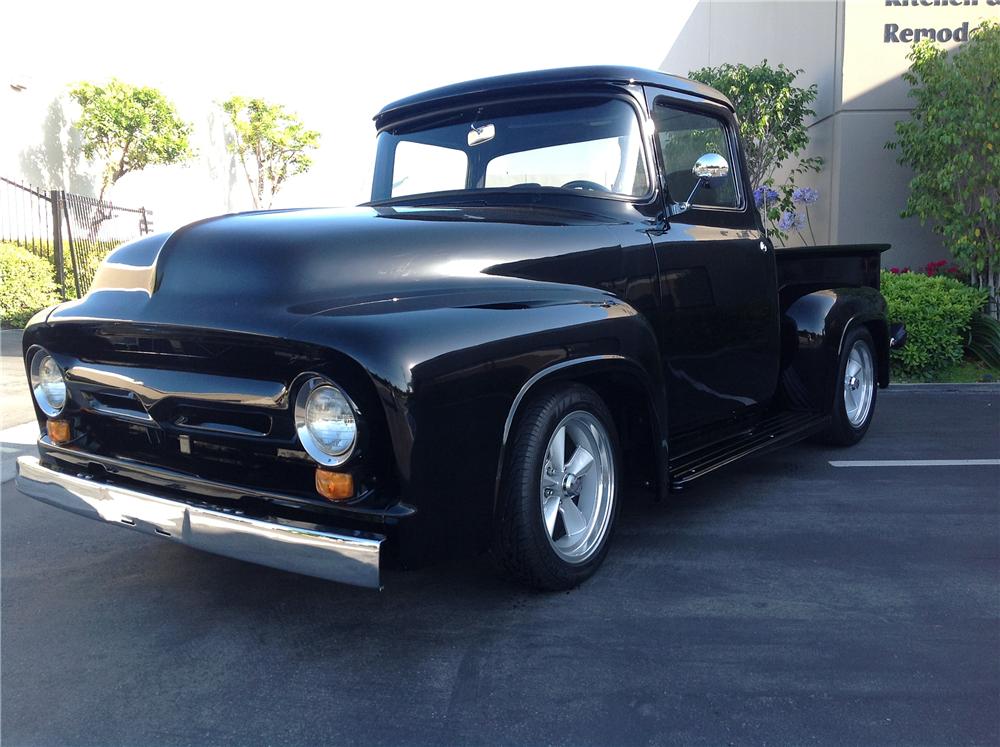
(649, 533)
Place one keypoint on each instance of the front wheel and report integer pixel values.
(856, 391)
(558, 490)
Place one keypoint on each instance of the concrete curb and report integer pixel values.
(978, 387)
(14, 442)
(22, 433)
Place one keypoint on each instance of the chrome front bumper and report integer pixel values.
(350, 557)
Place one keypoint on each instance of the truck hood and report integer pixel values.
(266, 272)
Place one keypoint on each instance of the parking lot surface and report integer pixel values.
(783, 601)
(15, 402)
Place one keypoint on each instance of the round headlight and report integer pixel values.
(47, 383)
(324, 420)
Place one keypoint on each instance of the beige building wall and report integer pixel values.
(855, 51)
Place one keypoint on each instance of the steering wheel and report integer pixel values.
(585, 184)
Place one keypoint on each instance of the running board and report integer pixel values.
(779, 430)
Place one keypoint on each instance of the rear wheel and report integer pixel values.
(856, 391)
(558, 491)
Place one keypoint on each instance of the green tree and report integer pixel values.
(127, 128)
(952, 143)
(271, 144)
(771, 110)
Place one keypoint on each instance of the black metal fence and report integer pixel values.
(26, 217)
(71, 231)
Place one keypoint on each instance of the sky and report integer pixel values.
(335, 64)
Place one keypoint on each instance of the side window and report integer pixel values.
(422, 168)
(684, 137)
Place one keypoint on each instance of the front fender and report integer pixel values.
(451, 381)
(815, 327)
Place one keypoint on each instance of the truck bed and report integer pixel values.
(803, 269)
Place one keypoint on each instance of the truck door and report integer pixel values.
(719, 325)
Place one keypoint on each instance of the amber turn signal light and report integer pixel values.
(334, 486)
(59, 431)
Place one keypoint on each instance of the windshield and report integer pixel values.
(592, 146)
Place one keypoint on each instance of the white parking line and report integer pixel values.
(917, 463)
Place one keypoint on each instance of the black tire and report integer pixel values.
(842, 431)
(522, 548)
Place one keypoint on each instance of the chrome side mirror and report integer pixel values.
(711, 166)
(707, 168)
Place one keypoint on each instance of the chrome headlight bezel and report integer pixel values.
(42, 397)
(309, 442)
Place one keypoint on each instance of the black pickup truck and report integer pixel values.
(560, 289)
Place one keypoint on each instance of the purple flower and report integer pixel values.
(804, 195)
(762, 193)
(790, 219)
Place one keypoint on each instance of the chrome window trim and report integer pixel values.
(610, 91)
(705, 108)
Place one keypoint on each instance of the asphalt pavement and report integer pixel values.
(15, 402)
(783, 601)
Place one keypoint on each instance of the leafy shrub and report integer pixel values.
(937, 312)
(984, 339)
(89, 255)
(26, 285)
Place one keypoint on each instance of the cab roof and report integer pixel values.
(547, 78)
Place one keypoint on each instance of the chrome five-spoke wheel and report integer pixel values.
(857, 389)
(859, 383)
(558, 498)
(577, 486)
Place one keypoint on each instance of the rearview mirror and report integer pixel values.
(480, 135)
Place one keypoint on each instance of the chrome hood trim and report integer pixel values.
(151, 385)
